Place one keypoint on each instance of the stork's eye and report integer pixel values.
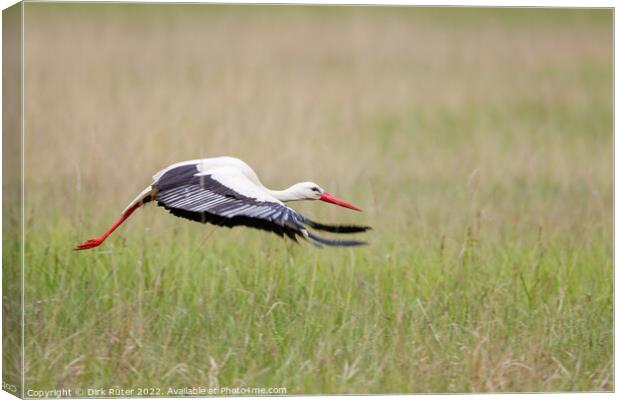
(315, 189)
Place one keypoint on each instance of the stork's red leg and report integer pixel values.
(94, 242)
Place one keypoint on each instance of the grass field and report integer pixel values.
(478, 142)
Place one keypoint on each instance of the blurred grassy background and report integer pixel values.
(478, 142)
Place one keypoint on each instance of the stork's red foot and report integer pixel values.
(89, 244)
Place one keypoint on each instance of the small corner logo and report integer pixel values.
(8, 387)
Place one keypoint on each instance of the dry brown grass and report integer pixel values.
(362, 98)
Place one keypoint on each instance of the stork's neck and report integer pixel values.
(290, 194)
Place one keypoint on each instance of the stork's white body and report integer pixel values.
(204, 165)
(229, 171)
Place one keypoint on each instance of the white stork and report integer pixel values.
(225, 191)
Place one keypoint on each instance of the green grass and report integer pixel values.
(478, 144)
(395, 317)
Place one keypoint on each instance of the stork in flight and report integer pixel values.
(225, 191)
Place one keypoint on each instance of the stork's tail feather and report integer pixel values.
(319, 241)
(336, 228)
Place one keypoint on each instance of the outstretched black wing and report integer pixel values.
(225, 197)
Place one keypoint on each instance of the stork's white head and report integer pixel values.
(312, 191)
(306, 191)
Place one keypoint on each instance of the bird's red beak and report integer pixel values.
(330, 198)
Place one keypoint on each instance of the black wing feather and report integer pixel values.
(336, 228)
